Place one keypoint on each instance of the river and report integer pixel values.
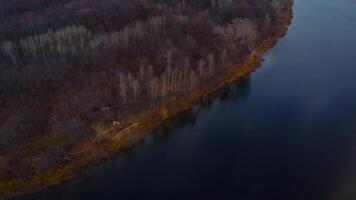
(287, 132)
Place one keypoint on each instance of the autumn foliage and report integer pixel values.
(66, 64)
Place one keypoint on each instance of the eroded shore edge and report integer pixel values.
(133, 128)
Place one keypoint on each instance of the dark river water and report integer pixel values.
(287, 132)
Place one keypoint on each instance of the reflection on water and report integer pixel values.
(292, 136)
(237, 91)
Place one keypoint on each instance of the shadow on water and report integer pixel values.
(235, 92)
(238, 91)
(290, 136)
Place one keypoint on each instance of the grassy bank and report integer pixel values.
(109, 140)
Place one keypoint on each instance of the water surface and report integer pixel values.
(288, 132)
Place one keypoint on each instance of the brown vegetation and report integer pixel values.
(75, 91)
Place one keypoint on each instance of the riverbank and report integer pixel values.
(111, 140)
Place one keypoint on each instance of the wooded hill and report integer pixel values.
(65, 64)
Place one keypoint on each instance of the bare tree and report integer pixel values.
(135, 89)
(223, 57)
(123, 88)
(211, 66)
(241, 32)
(201, 65)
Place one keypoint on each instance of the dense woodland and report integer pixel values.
(64, 64)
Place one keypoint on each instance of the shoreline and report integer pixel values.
(133, 128)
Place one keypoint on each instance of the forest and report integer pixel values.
(67, 64)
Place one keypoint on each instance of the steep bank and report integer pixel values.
(114, 139)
